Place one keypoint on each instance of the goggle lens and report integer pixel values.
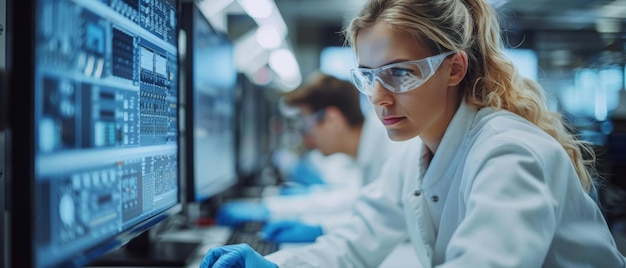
(398, 77)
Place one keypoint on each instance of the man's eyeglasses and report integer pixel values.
(306, 122)
(398, 77)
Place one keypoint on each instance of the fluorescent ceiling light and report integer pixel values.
(284, 63)
(258, 9)
(268, 37)
(616, 9)
(213, 7)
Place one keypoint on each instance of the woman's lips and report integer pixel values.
(387, 121)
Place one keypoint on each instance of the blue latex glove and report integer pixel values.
(293, 190)
(234, 213)
(290, 231)
(240, 255)
(306, 174)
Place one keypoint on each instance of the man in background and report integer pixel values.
(332, 123)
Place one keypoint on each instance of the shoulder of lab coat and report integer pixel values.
(345, 177)
(324, 199)
(339, 170)
(521, 202)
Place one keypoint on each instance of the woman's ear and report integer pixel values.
(458, 64)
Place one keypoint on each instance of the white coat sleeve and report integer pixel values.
(315, 203)
(325, 199)
(510, 210)
(376, 226)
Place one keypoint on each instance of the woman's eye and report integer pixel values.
(399, 71)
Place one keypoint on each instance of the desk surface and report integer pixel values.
(401, 256)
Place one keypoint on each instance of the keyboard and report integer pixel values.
(248, 233)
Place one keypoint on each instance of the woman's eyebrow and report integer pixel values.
(385, 64)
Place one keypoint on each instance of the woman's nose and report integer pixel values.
(380, 95)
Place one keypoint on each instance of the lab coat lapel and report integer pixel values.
(416, 214)
(419, 217)
(449, 146)
(425, 230)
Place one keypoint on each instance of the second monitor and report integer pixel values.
(210, 77)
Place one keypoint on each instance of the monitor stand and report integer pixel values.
(143, 251)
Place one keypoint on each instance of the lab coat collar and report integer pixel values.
(451, 142)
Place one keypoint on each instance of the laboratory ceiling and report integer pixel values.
(526, 14)
(563, 32)
(578, 25)
(516, 15)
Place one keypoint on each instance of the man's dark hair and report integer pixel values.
(321, 91)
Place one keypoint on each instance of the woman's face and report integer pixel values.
(424, 111)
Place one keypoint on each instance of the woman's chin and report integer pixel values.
(396, 135)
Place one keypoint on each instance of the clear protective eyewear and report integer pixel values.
(398, 77)
(306, 122)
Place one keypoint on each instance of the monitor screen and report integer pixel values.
(98, 103)
(210, 78)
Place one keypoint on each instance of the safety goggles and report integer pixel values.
(398, 77)
(306, 122)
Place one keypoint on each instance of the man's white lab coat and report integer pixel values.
(345, 180)
(499, 192)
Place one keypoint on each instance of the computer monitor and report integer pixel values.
(93, 104)
(3, 105)
(252, 129)
(210, 76)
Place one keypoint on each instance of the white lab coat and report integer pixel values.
(499, 192)
(337, 197)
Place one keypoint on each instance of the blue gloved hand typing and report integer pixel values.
(234, 213)
(240, 255)
(290, 231)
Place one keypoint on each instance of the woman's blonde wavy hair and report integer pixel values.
(491, 79)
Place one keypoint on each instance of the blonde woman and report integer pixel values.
(496, 181)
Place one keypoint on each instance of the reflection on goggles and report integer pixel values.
(398, 77)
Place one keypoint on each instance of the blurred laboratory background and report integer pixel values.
(574, 48)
